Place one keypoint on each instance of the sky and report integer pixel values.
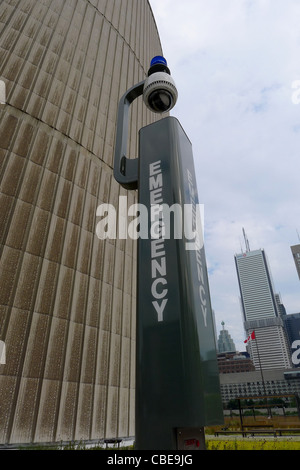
(236, 64)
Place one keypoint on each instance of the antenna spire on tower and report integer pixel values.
(246, 241)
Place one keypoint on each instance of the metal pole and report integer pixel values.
(261, 372)
(125, 169)
(241, 414)
(262, 376)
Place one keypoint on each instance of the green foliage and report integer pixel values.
(74, 445)
(257, 444)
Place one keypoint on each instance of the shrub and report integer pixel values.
(257, 444)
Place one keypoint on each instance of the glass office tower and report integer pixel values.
(259, 307)
(67, 299)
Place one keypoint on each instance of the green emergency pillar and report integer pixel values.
(177, 377)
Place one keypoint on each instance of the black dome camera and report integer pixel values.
(160, 92)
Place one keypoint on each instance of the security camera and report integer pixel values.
(160, 92)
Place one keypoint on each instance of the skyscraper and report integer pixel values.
(293, 326)
(225, 342)
(260, 313)
(67, 299)
(296, 255)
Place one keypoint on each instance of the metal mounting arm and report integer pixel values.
(125, 169)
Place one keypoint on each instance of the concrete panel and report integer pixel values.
(67, 299)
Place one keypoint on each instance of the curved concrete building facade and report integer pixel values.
(67, 299)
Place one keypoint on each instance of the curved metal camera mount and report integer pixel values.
(160, 95)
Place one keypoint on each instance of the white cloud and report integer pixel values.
(234, 63)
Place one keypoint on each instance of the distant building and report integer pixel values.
(260, 310)
(292, 324)
(280, 307)
(296, 255)
(225, 342)
(276, 382)
(234, 363)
